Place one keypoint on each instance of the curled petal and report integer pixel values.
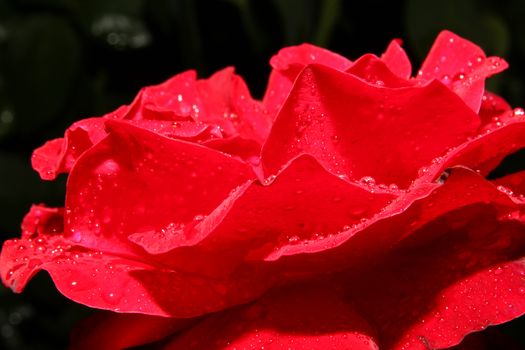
(359, 130)
(290, 61)
(287, 65)
(298, 201)
(492, 106)
(134, 172)
(489, 147)
(374, 71)
(58, 156)
(462, 65)
(397, 60)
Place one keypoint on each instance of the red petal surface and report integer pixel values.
(493, 143)
(492, 106)
(462, 65)
(263, 220)
(143, 182)
(454, 276)
(222, 100)
(359, 130)
(296, 318)
(397, 60)
(376, 72)
(112, 331)
(513, 182)
(58, 156)
(290, 61)
(287, 65)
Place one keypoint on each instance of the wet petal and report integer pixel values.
(134, 172)
(513, 182)
(397, 60)
(456, 275)
(58, 156)
(287, 65)
(492, 106)
(462, 65)
(490, 146)
(303, 317)
(374, 71)
(306, 205)
(359, 130)
(290, 61)
(222, 100)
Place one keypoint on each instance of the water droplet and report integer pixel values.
(505, 190)
(368, 180)
(423, 171)
(518, 112)
(498, 271)
(293, 239)
(76, 236)
(112, 297)
(74, 283)
(393, 187)
(198, 217)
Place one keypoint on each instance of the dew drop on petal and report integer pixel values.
(368, 180)
(518, 112)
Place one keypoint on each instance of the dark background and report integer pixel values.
(63, 60)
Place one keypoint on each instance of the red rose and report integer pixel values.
(347, 210)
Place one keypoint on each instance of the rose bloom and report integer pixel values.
(349, 209)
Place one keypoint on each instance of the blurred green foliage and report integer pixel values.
(62, 60)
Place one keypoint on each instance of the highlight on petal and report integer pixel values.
(359, 130)
(461, 65)
(301, 317)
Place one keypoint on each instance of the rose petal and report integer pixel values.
(247, 150)
(223, 100)
(110, 331)
(358, 245)
(513, 182)
(290, 61)
(454, 276)
(492, 106)
(335, 117)
(397, 60)
(486, 150)
(462, 65)
(287, 65)
(299, 201)
(58, 156)
(131, 164)
(111, 282)
(300, 318)
(374, 71)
